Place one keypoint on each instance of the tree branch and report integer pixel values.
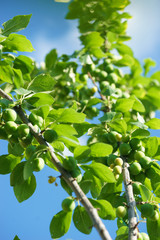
(97, 222)
(130, 202)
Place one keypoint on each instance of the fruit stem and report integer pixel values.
(130, 202)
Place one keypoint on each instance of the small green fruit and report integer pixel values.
(126, 138)
(117, 169)
(68, 204)
(69, 163)
(84, 77)
(147, 210)
(136, 187)
(76, 173)
(3, 134)
(10, 127)
(145, 236)
(139, 236)
(121, 211)
(135, 168)
(138, 155)
(145, 162)
(135, 143)
(38, 164)
(155, 216)
(103, 74)
(112, 78)
(104, 85)
(109, 68)
(124, 149)
(111, 137)
(9, 115)
(118, 161)
(36, 120)
(23, 131)
(25, 141)
(94, 89)
(50, 135)
(111, 158)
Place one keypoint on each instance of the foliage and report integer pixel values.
(59, 102)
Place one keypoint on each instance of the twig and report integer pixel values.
(130, 202)
(97, 223)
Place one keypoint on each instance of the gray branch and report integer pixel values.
(97, 223)
(130, 203)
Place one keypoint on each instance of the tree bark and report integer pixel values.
(131, 204)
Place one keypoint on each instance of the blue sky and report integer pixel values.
(48, 29)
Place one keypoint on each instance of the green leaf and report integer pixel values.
(154, 123)
(153, 96)
(153, 229)
(82, 220)
(40, 99)
(157, 189)
(18, 42)
(22, 91)
(16, 24)
(6, 72)
(151, 146)
(126, 60)
(100, 150)
(92, 40)
(2, 38)
(111, 188)
(42, 83)
(141, 133)
(60, 224)
(8, 163)
(107, 117)
(138, 105)
(123, 49)
(124, 104)
(65, 130)
(93, 101)
(148, 63)
(28, 169)
(18, 78)
(57, 145)
(16, 238)
(51, 59)
(119, 125)
(81, 153)
(24, 63)
(71, 116)
(69, 141)
(105, 209)
(100, 171)
(85, 59)
(16, 176)
(146, 194)
(122, 233)
(85, 185)
(26, 189)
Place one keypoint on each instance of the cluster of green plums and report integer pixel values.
(20, 138)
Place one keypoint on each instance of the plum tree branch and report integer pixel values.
(130, 202)
(97, 222)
